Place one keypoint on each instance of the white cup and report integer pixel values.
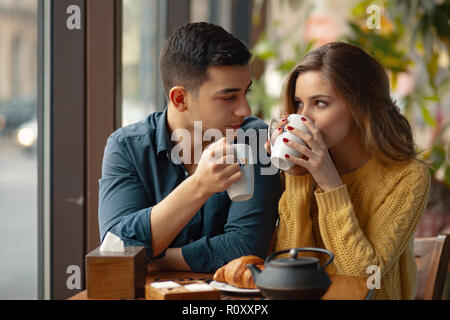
(242, 190)
(279, 148)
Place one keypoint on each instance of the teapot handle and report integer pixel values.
(294, 252)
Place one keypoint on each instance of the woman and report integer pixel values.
(358, 190)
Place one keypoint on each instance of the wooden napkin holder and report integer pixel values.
(116, 275)
(181, 292)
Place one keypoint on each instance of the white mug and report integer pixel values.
(242, 190)
(279, 148)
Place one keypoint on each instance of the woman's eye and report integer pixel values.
(299, 104)
(321, 104)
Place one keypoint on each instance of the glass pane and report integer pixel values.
(141, 45)
(18, 149)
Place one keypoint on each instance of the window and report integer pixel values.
(143, 34)
(18, 145)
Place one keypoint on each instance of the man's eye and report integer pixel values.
(228, 98)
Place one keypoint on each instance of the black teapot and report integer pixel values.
(294, 277)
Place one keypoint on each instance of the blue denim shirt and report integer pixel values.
(138, 173)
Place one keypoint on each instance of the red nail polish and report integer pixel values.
(287, 156)
(285, 140)
(290, 128)
(303, 119)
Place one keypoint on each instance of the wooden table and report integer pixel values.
(342, 287)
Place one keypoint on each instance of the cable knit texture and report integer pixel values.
(369, 220)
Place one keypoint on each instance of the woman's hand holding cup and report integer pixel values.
(278, 130)
(316, 157)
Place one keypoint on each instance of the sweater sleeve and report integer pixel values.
(389, 228)
(295, 226)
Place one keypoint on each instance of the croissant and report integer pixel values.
(236, 274)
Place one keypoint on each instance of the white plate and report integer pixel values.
(229, 288)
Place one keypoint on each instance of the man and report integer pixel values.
(180, 211)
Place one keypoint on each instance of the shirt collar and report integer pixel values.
(162, 133)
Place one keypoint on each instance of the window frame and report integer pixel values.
(67, 161)
(44, 153)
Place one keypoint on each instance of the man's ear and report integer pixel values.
(179, 97)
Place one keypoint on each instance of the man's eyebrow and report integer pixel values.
(229, 90)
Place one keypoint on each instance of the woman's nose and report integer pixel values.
(307, 112)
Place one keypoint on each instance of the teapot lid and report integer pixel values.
(298, 262)
(293, 261)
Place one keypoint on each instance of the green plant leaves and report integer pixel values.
(427, 117)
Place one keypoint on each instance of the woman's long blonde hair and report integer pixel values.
(364, 84)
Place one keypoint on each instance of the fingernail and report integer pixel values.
(290, 128)
(279, 129)
(287, 156)
(303, 119)
(285, 140)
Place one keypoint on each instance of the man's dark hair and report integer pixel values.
(192, 48)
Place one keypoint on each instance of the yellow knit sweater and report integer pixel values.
(369, 220)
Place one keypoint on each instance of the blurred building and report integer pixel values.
(18, 61)
(18, 47)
